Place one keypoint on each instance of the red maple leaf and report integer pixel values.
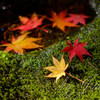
(29, 24)
(77, 18)
(76, 49)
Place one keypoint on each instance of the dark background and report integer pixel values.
(11, 9)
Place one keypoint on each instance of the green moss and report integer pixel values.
(23, 77)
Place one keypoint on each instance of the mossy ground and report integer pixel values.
(22, 77)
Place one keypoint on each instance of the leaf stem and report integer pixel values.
(74, 77)
(42, 29)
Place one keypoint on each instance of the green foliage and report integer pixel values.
(22, 76)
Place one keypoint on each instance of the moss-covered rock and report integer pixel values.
(22, 77)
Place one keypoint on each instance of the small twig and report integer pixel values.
(74, 77)
(92, 65)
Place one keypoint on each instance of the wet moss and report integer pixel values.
(22, 77)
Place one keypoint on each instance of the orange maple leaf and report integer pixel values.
(60, 20)
(21, 43)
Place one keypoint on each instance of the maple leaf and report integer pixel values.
(58, 70)
(21, 43)
(76, 49)
(31, 23)
(77, 18)
(60, 20)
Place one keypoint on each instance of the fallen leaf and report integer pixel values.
(77, 18)
(58, 70)
(21, 43)
(60, 20)
(24, 20)
(29, 24)
(76, 49)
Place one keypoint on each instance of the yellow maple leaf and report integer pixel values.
(58, 70)
(21, 43)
